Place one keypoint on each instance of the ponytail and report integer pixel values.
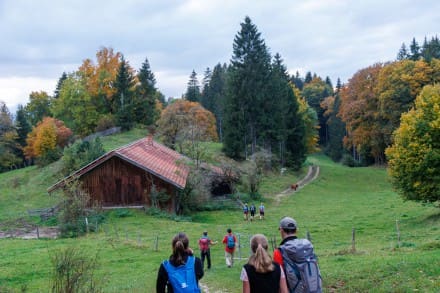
(260, 259)
(180, 245)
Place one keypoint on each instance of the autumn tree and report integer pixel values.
(183, 125)
(315, 91)
(309, 119)
(73, 101)
(38, 107)
(359, 111)
(397, 87)
(414, 157)
(47, 139)
(100, 78)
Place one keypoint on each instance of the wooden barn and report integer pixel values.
(125, 176)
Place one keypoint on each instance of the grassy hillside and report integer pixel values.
(130, 245)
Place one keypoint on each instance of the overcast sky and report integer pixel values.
(41, 39)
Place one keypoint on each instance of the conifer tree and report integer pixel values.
(59, 85)
(414, 49)
(193, 90)
(22, 125)
(144, 102)
(286, 122)
(248, 87)
(403, 53)
(124, 95)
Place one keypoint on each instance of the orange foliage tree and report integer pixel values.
(49, 134)
(100, 78)
(183, 124)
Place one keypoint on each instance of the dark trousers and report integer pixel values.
(206, 254)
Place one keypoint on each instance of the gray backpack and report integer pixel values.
(301, 266)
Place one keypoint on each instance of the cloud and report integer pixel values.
(16, 90)
(335, 38)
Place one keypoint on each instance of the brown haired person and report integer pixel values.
(182, 271)
(261, 273)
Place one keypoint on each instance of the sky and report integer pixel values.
(336, 38)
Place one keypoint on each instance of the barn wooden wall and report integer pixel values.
(118, 183)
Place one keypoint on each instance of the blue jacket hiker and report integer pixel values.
(182, 271)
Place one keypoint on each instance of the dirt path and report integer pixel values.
(312, 174)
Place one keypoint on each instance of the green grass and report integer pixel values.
(329, 208)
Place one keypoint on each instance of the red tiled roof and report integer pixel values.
(146, 154)
(157, 159)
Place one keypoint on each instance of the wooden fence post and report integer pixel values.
(308, 236)
(38, 233)
(156, 243)
(398, 233)
(353, 239)
(87, 225)
(239, 247)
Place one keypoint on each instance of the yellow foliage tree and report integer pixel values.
(414, 157)
(49, 134)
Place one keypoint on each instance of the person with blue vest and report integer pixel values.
(182, 271)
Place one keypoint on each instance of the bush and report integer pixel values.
(73, 271)
(105, 122)
(80, 153)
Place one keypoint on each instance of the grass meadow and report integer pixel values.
(130, 245)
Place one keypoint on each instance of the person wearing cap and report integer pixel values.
(287, 229)
(205, 249)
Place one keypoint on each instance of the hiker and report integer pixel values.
(252, 209)
(182, 270)
(261, 211)
(261, 273)
(245, 212)
(297, 258)
(205, 249)
(229, 241)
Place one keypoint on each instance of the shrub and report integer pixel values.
(73, 271)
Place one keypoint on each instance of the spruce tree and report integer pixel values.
(248, 87)
(308, 78)
(144, 102)
(124, 95)
(214, 96)
(297, 81)
(59, 85)
(193, 89)
(289, 140)
(22, 125)
(403, 53)
(206, 97)
(414, 49)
